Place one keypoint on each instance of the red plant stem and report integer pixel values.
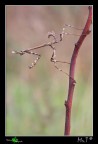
(68, 103)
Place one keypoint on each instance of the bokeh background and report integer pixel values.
(35, 97)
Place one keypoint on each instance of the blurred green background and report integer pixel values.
(35, 97)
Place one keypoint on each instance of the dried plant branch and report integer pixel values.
(68, 103)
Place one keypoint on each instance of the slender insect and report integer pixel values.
(51, 45)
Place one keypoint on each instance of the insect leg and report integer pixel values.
(36, 60)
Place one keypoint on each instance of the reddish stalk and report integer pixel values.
(68, 103)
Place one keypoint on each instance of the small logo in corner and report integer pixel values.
(14, 140)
